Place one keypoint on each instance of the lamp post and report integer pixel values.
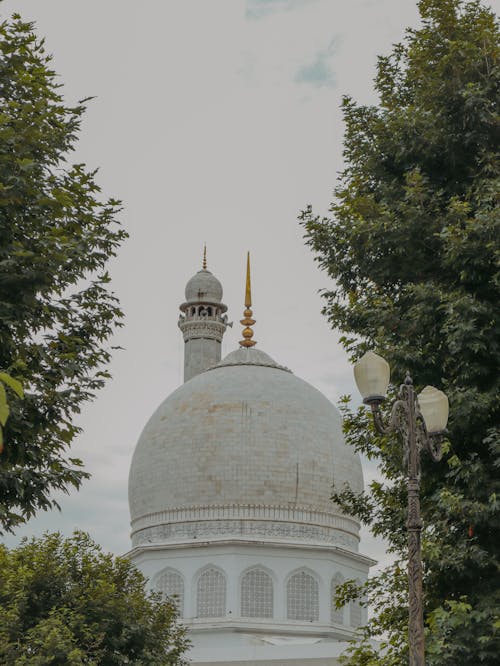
(421, 420)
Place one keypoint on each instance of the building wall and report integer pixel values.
(231, 636)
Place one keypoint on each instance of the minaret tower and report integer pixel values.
(202, 321)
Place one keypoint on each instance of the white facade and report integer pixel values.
(290, 605)
(229, 494)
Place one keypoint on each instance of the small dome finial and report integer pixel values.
(204, 264)
(247, 320)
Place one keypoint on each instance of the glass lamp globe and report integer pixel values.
(372, 374)
(434, 407)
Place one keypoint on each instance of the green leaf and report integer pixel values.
(4, 407)
(12, 383)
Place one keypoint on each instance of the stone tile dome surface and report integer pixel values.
(245, 432)
(203, 287)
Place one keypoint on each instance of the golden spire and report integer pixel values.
(247, 320)
(204, 265)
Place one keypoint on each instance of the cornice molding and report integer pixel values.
(270, 627)
(138, 550)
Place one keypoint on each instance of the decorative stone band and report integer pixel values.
(202, 327)
(216, 304)
(246, 521)
(250, 529)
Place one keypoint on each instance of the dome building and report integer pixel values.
(229, 494)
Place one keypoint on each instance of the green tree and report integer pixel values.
(56, 310)
(413, 246)
(64, 601)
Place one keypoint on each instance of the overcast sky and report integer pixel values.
(216, 121)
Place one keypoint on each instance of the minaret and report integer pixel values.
(202, 321)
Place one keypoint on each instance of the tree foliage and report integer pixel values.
(7, 380)
(64, 601)
(413, 246)
(56, 310)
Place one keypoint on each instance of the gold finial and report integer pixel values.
(248, 288)
(247, 320)
(204, 265)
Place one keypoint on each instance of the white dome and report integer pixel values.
(245, 440)
(203, 287)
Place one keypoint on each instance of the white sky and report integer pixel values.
(216, 121)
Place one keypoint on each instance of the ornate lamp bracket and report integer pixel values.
(407, 420)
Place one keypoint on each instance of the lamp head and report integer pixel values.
(434, 408)
(372, 374)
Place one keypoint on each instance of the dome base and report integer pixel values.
(246, 521)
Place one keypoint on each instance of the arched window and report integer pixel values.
(170, 584)
(337, 614)
(302, 597)
(256, 594)
(356, 611)
(211, 594)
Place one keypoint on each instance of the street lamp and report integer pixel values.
(421, 420)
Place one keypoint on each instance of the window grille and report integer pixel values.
(302, 597)
(256, 594)
(211, 597)
(170, 584)
(356, 611)
(337, 614)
